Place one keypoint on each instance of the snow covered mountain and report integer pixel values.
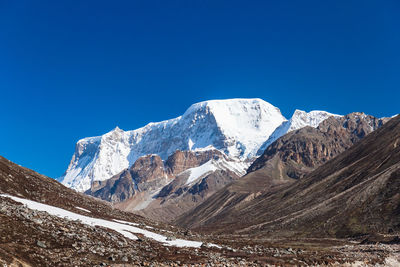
(299, 120)
(237, 127)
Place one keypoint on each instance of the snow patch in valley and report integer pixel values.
(122, 227)
(211, 245)
(85, 210)
(125, 222)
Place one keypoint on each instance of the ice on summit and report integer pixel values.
(237, 127)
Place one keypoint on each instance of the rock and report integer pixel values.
(41, 244)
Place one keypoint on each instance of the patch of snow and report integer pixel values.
(211, 245)
(213, 165)
(197, 172)
(79, 208)
(236, 166)
(122, 228)
(190, 144)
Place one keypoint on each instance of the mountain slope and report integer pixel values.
(355, 193)
(61, 227)
(292, 156)
(237, 127)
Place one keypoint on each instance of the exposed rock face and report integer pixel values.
(288, 159)
(149, 175)
(179, 196)
(118, 188)
(147, 172)
(147, 169)
(299, 152)
(183, 160)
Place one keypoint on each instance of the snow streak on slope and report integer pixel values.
(299, 120)
(122, 228)
(237, 127)
(212, 165)
(197, 172)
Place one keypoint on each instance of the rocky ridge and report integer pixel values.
(299, 152)
(299, 119)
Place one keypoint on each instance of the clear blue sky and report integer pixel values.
(72, 69)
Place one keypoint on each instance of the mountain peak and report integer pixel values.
(313, 118)
(236, 127)
(213, 105)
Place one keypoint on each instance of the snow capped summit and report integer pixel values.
(245, 122)
(236, 127)
(298, 120)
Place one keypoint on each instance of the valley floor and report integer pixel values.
(30, 237)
